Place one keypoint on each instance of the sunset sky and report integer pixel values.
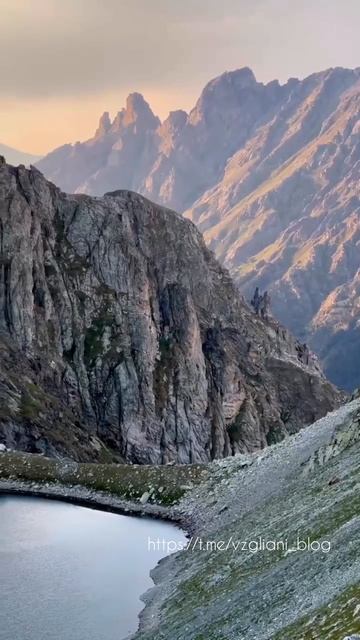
(64, 62)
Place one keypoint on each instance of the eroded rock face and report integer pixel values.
(121, 333)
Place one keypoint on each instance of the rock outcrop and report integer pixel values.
(122, 336)
(270, 174)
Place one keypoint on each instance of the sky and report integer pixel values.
(64, 62)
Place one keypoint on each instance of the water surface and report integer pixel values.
(71, 573)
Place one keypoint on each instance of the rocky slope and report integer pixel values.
(270, 173)
(122, 336)
(286, 524)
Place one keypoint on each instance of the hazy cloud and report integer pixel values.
(52, 48)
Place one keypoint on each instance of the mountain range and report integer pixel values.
(270, 175)
(14, 156)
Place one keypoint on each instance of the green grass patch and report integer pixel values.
(164, 484)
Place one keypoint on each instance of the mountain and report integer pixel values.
(173, 162)
(121, 336)
(286, 217)
(124, 148)
(13, 156)
(293, 572)
(270, 175)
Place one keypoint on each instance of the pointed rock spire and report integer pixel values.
(137, 112)
(223, 92)
(104, 125)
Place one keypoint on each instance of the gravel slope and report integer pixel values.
(307, 486)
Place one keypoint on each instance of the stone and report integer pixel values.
(145, 497)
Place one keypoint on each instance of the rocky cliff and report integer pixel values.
(270, 174)
(121, 336)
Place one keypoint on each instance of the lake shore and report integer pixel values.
(83, 497)
(308, 486)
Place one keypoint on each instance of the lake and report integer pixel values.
(72, 573)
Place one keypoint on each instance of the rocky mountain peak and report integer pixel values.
(226, 112)
(136, 104)
(242, 78)
(104, 125)
(230, 82)
(223, 92)
(176, 119)
(137, 113)
(270, 174)
(171, 129)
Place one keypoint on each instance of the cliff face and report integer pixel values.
(121, 336)
(270, 175)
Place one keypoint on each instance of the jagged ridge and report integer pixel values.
(270, 173)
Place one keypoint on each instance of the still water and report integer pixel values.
(71, 573)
